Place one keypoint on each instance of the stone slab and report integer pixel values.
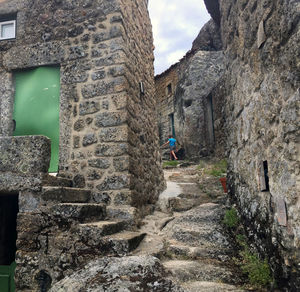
(281, 212)
(26, 155)
(79, 212)
(101, 228)
(66, 195)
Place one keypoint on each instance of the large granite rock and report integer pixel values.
(191, 98)
(261, 44)
(26, 155)
(209, 38)
(135, 273)
(213, 8)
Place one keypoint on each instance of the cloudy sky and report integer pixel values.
(176, 23)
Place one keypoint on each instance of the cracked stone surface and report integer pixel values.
(186, 234)
(134, 273)
(184, 251)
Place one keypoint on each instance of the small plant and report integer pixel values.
(231, 218)
(172, 163)
(222, 164)
(218, 169)
(241, 240)
(258, 270)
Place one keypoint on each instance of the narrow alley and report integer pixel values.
(186, 233)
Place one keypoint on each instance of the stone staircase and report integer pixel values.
(87, 229)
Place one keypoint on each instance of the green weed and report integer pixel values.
(219, 169)
(258, 270)
(241, 240)
(231, 218)
(172, 163)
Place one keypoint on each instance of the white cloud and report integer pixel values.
(176, 23)
(173, 57)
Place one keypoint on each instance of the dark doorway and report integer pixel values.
(8, 235)
(172, 125)
(210, 121)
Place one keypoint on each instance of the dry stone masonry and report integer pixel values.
(252, 91)
(186, 104)
(261, 95)
(104, 118)
(108, 149)
(235, 94)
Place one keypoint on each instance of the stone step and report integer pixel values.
(91, 245)
(125, 213)
(65, 194)
(203, 286)
(188, 270)
(122, 243)
(79, 212)
(176, 249)
(50, 180)
(100, 228)
(152, 245)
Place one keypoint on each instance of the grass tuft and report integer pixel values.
(231, 218)
(257, 270)
(172, 163)
(219, 169)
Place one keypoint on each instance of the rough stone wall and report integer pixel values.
(22, 176)
(261, 43)
(192, 109)
(108, 131)
(103, 50)
(218, 95)
(196, 110)
(165, 102)
(197, 114)
(146, 177)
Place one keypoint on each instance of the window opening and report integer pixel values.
(188, 103)
(169, 89)
(8, 26)
(142, 89)
(264, 177)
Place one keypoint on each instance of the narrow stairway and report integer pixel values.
(186, 235)
(84, 230)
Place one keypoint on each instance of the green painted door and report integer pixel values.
(7, 283)
(36, 106)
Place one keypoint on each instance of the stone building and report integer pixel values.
(81, 73)
(255, 100)
(261, 94)
(186, 107)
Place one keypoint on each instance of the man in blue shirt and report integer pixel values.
(172, 145)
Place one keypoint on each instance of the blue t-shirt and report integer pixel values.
(172, 142)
